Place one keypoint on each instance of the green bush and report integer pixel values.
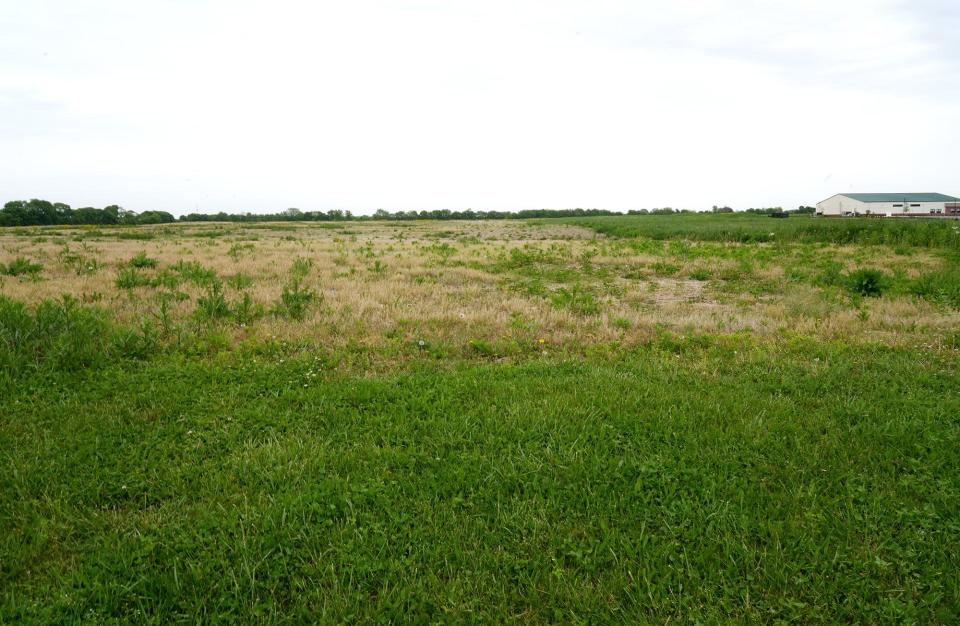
(213, 305)
(942, 286)
(247, 311)
(195, 273)
(130, 278)
(21, 266)
(295, 301)
(866, 282)
(576, 299)
(240, 281)
(301, 268)
(62, 335)
(141, 260)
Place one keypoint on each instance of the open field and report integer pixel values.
(750, 228)
(630, 420)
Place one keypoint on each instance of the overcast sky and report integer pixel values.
(231, 105)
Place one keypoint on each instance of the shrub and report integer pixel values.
(240, 281)
(942, 286)
(195, 273)
(295, 300)
(62, 335)
(213, 305)
(141, 260)
(700, 273)
(576, 299)
(301, 267)
(866, 282)
(239, 249)
(77, 262)
(247, 311)
(21, 266)
(130, 278)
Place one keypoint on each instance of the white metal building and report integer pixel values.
(890, 205)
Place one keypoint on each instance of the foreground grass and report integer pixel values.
(706, 480)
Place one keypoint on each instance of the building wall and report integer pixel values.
(842, 205)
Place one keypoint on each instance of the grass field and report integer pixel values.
(609, 421)
(749, 228)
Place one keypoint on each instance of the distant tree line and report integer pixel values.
(296, 215)
(776, 209)
(42, 212)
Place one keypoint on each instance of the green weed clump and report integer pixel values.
(295, 301)
(63, 336)
(942, 286)
(866, 282)
(240, 281)
(575, 298)
(296, 298)
(141, 260)
(21, 266)
(81, 264)
(194, 272)
(131, 278)
(213, 304)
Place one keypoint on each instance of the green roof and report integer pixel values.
(901, 197)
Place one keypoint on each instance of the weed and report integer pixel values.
(941, 286)
(246, 311)
(194, 272)
(213, 305)
(131, 278)
(301, 268)
(576, 299)
(700, 273)
(238, 250)
(141, 260)
(622, 323)
(240, 281)
(81, 264)
(21, 266)
(866, 282)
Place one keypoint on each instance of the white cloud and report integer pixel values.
(259, 106)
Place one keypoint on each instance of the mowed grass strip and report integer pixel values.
(685, 482)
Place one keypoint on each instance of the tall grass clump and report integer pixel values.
(131, 278)
(194, 272)
(21, 266)
(80, 263)
(941, 286)
(141, 260)
(213, 305)
(866, 282)
(296, 298)
(62, 335)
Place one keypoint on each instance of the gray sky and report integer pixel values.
(232, 105)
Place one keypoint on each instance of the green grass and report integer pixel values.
(185, 471)
(689, 480)
(20, 266)
(748, 228)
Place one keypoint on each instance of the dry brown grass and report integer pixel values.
(446, 282)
